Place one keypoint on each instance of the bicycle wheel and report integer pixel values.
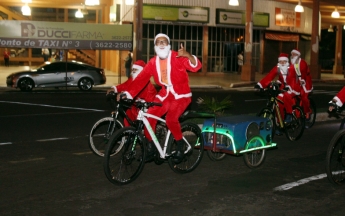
(100, 133)
(129, 159)
(254, 158)
(311, 122)
(192, 134)
(295, 129)
(335, 159)
(215, 156)
(267, 113)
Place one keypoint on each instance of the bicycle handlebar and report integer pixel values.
(273, 89)
(139, 103)
(336, 111)
(111, 98)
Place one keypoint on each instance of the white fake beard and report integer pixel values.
(294, 59)
(134, 75)
(284, 68)
(162, 53)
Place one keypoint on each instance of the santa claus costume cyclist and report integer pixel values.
(305, 80)
(169, 70)
(148, 93)
(288, 79)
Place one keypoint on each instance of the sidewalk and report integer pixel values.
(216, 80)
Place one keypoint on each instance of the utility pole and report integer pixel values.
(137, 30)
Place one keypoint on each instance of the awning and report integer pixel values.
(281, 36)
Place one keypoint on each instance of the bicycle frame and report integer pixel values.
(122, 112)
(274, 106)
(142, 116)
(115, 114)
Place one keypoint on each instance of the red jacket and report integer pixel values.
(290, 80)
(178, 80)
(302, 71)
(148, 93)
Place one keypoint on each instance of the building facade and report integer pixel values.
(214, 31)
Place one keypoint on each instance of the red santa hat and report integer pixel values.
(283, 57)
(161, 35)
(139, 64)
(296, 51)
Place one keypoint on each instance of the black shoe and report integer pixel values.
(179, 154)
(278, 132)
(288, 118)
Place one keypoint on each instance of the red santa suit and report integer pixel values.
(340, 97)
(287, 79)
(147, 93)
(175, 94)
(305, 80)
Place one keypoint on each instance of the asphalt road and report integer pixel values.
(47, 168)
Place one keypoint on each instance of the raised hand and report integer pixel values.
(182, 52)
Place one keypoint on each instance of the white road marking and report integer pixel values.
(52, 139)
(46, 105)
(29, 160)
(299, 182)
(82, 153)
(48, 140)
(45, 114)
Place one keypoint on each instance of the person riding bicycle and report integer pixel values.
(288, 79)
(148, 92)
(338, 101)
(305, 80)
(169, 70)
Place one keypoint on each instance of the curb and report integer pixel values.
(324, 116)
(242, 84)
(252, 83)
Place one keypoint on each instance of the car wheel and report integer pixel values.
(25, 84)
(85, 84)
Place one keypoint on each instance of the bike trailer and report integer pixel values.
(237, 134)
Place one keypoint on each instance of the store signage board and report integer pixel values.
(64, 35)
(234, 17)
(285, 17)
(175, 13)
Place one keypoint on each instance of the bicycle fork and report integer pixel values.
(278, 114)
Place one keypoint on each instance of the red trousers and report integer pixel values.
(132, 114)
(173, 109)
(305, 101)
(287, 103)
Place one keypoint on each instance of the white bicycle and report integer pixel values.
(124, 158)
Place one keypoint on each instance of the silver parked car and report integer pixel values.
(58, 74)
